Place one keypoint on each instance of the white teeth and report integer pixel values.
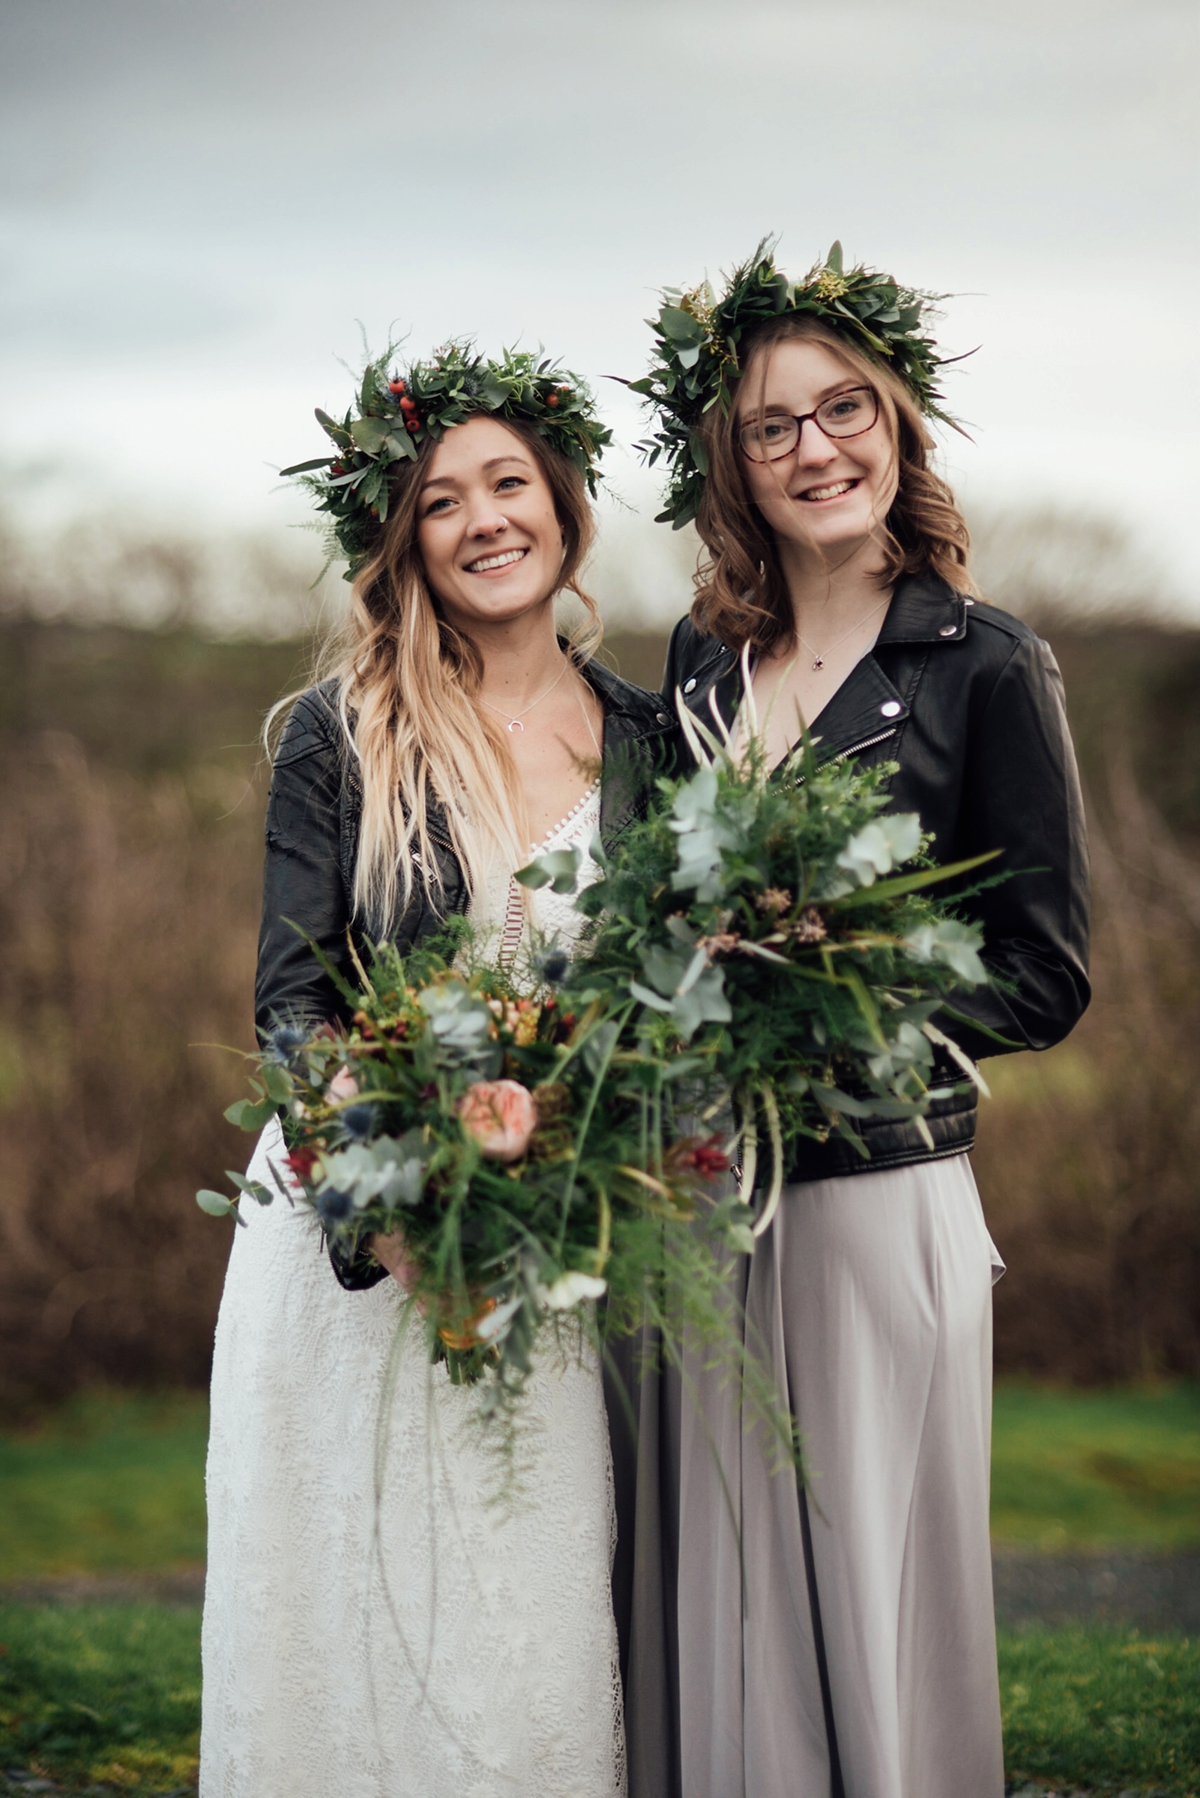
(827, 492)
(510, 555)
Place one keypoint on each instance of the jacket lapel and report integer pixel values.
(636, 726)
(867, 707)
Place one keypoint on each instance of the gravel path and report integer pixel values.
(1147, 1591)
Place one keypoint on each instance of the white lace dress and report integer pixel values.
(376, 1625)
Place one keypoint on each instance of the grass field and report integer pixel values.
(101, 1695)
(1096, 1469)
(107, 1696)
(1102, 1708)
(114, 1483)
(110, 1483)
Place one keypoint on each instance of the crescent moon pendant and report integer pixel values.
(515, 724)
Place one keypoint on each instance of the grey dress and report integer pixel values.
(849, 1647)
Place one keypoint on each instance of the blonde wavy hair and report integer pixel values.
(407, 687)
(741, 593)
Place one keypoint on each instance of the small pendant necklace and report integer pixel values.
(819, 655)
(514, 719)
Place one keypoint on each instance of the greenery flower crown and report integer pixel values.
(696, 364)
(396, 413)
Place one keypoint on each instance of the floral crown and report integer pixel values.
(696, 365)
(397, 412)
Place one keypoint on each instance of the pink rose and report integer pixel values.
(343, 1085)
(500, 1115)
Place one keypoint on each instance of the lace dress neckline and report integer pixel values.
(550, 914)
(556, 829)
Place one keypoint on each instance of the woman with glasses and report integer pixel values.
(839, 1637)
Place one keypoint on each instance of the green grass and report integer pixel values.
(1109, 1469)
(101, 1694)
(1102, 1709)
(114, 1482)
(110, 1695)
(110, 1483)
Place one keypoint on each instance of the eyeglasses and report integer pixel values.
(846, 414)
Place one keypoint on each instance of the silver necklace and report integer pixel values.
(819, 655)
(514, 719)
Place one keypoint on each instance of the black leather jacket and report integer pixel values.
(313, 816)
(969, 702)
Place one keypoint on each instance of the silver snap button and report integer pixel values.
(662, 717)
(948, 630)
(891, 709)
(690, 686)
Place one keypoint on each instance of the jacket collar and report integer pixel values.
(867, 707)
(635, 712)
(631, 717)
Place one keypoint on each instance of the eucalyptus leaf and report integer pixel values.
(215, 1203)
(681, 327)
(277, 1083)
(370, 434)
(254, 1188)
(244, 1114)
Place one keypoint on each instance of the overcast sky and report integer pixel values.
(200, 198)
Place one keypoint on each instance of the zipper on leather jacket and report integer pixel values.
(870, 743)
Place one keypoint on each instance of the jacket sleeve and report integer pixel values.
(302, 884)
(302, 878)
(1022, 795)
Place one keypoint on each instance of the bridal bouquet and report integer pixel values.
(506, 1135)
(761, 949)
(776, 936)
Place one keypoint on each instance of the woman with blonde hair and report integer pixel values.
(838, 1638)
(375, 1624)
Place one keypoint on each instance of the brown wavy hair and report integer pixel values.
(741, 593)
(407, 686)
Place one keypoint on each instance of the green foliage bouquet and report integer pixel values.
(510, 1138)
(780, 947)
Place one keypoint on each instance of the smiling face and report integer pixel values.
(828, 495)
(487, 528)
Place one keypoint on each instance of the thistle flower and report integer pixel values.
(357, 1121)
(284, 1042)
(332, 1206)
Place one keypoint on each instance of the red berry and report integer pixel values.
(408, 405)
(552, 399)
(412, 423)
(396, 387)
(708, 1158)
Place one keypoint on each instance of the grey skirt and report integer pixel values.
(784, 1644)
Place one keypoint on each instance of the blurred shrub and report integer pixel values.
(129, 870)
(131, 793)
